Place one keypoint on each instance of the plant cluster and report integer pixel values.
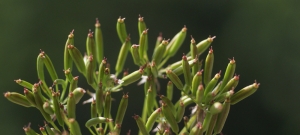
(210, 96)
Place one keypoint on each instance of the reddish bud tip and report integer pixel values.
(184, 29)
(25, 91)
(168, 71)
(232, 61)
(199, 73)
(42, 129)
(72, 32)
(90, 34)
(121, 20)
(71, 94)
(135, 116)
(192, 40)
(18, 81)
(125, 95)
(97, 21)
(145, 31)
(210, 50)
(6, 94)
(200, 87)
(70, 46)
(210, 39)
(184, 57)
(141, 19)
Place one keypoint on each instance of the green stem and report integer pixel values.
(62, 95)
(91, 131)
(163, 62)
(55, 127)
(144, 114)
(111, 126)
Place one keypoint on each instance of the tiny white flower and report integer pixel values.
(143, 80)
(93, 95)
(162, 125)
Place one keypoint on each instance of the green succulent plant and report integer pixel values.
(210, 96)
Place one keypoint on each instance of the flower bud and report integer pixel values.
(212, 124)
(214, 109)
(49, 66)
(222, 117)
(98, 42)
(74, 127)
(68, 62)
(101, 69)
(167, 112)
(40, 66)
(47, 108)
(133, 77)
(152, 118)
(175, 79)
(121, 29)
(180, 112)
(122, 109)
(141, 124)
(209, 87)
(90, 44)
(141, 25)
(17, 98)
(170, 90)
(29, 96)
(154, 69)
(97, 120)
(143, 42)
(159, 52)
(77, 58)
(57, 108)
(78, 94)
(200, 95)
(99, 99)
(229, 72)
(122, 55)
(71, 106)
(196, 129)
(209, 62)
(197, 80)
(232, 83)
(204, 44)
(193, 48)
(169, 103)
(90, 68)
(186, 71)
(24, 83)
(107, 105)
(135, 55)
(93, 109)
(150, 100)
(29, 131)
(178, 39)
(243, 93)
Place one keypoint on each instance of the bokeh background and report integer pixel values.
(263, 36)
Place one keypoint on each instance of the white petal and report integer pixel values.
(120, 81)
(88, 101)
(93, 95)
(143, 80)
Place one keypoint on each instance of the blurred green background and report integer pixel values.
(262, 36)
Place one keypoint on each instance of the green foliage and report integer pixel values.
(211, 97)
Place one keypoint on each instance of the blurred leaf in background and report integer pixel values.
(261, 35)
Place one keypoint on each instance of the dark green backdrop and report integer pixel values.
(262, 36)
